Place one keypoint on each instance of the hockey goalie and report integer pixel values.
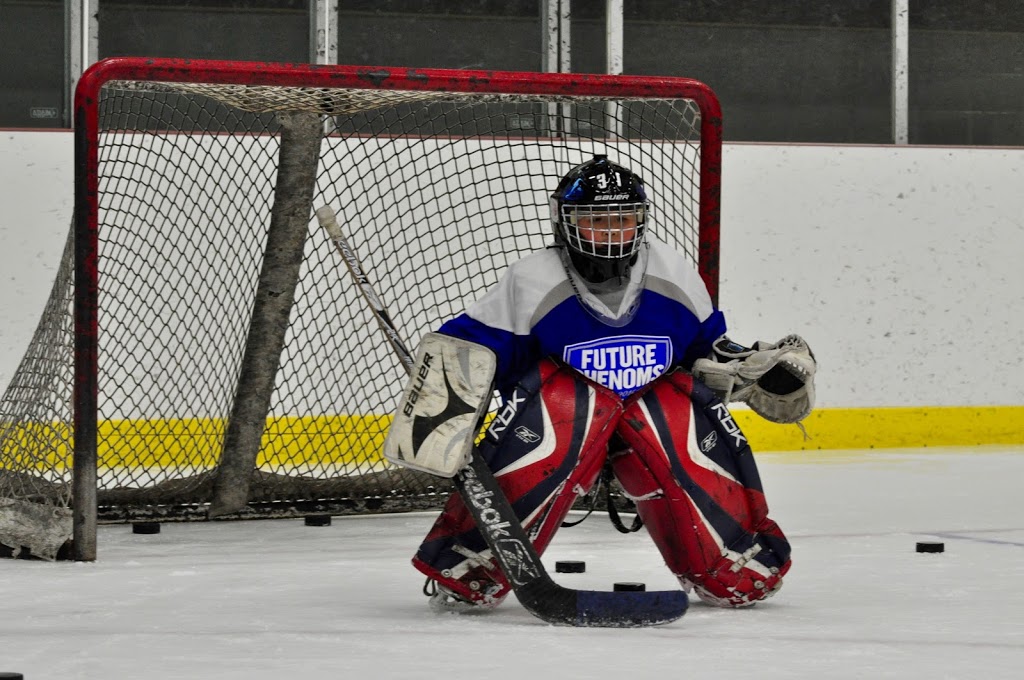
(607, 351)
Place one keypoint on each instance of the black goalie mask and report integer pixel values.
(599, 211)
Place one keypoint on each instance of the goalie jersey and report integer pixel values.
(622, 336)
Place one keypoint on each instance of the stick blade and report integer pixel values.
(599, 609)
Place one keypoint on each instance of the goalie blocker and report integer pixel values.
(441, 409)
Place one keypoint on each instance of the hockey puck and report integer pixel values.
(570, 567)
(146, 527)
(930, 547)
(318, 520)
(629, 586)
(11, 676)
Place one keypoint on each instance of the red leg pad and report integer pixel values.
(696, 487)
(547, 447)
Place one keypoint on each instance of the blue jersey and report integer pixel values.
(542, 308)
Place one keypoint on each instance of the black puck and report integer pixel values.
(930, 547)
(318, 520)
(629, 586)
(11, 676)
(146, 527)
(570, 567)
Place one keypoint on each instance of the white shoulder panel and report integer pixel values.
(673, 276)
(532, 282)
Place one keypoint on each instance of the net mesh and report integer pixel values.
(436, 192)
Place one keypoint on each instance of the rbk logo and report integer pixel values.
(503, 419)
(729, 424)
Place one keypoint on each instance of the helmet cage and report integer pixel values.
(607, 232)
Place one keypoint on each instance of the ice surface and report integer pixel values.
(277, 599)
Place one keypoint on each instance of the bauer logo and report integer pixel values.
(623, 363)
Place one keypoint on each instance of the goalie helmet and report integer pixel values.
(599, 212)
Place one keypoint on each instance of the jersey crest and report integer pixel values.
(622, 363)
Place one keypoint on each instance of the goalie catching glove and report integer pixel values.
(775, 379)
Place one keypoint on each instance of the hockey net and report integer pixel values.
(204, 352)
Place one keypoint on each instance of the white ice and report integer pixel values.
(277, 599)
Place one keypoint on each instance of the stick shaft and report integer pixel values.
(329, 221)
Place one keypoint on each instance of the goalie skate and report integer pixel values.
(444, 600)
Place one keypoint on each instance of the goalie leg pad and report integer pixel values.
(696, 486)
(547, 446)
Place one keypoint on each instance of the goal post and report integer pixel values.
(208, 357)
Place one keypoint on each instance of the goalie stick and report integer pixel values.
(500, 527)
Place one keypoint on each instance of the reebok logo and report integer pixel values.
(526, 435)
(709, 442)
